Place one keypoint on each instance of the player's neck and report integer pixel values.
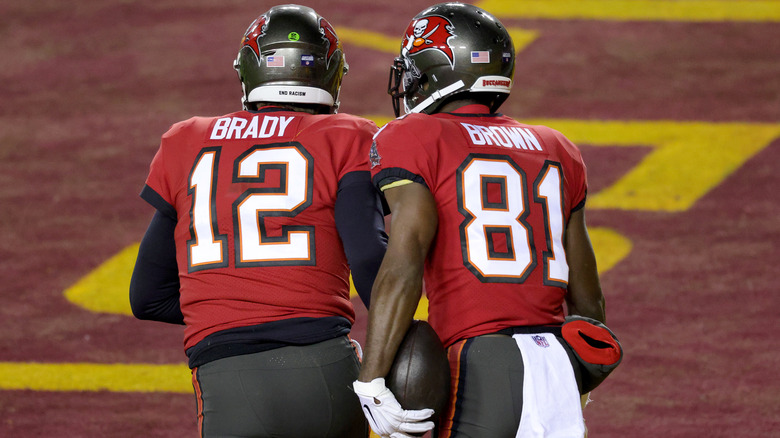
(310, 109)
(474, 106)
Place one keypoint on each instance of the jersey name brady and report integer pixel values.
(234, 128)
(506, 136)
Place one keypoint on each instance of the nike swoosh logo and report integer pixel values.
(369, 413)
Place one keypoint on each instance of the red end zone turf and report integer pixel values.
(87, 89)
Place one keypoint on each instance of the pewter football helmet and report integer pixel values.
(450, 49)
(290, 54)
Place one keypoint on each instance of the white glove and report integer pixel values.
(385, 415)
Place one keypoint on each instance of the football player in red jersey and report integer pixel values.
(261, 216)
(490, 213)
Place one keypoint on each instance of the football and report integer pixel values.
(420, 375)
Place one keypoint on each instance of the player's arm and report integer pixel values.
(154, 285)
(395, 296)
(398, 284)
(584, 296)
(361, 225)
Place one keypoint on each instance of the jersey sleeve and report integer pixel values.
(399, 155)
(353, 135)
(575, 172)
(579, 179)
(161, 183)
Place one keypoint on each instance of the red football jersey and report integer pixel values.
(504, 193)
(254, 195)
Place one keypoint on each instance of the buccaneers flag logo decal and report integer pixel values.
(256, 30)
(429, 33)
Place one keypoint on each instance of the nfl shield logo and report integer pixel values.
(373, 156)
(540, 341)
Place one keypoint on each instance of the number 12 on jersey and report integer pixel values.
(498, 244)
(207, 248)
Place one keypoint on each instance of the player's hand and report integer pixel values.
(385, 415)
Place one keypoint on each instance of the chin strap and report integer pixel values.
(436, 95)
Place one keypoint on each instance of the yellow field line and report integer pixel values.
(642, 10)
(95, 377)
(370, 40)
(392, 45)
(686, 161)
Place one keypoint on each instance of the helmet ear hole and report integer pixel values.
(424, 83)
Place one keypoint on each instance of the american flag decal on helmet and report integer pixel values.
(480, 57)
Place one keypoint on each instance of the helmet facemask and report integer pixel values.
(404, 81)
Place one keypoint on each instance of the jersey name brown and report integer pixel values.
(506, 136)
